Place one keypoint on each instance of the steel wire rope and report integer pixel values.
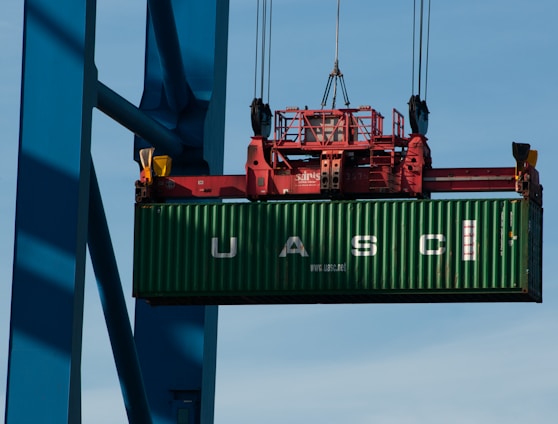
(269, 52)
(256, 49)
(427, 52)
(418, 110)
(264, 31)
(336, 73)
(261, 56)
(420, 48)
(414, 44)
(260, 112)
(336, 63)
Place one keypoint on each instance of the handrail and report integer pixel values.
(318, 128)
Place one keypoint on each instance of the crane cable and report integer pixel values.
(427, 51)
(418, 110)
(420, 49)
(260, 112)
(336, 74)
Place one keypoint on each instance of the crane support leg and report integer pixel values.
(185, 78)
(114, 309)
(44, 377)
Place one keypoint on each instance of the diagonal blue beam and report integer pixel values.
(177, 90)
(141, 124)
(58, 94)
(114, 309)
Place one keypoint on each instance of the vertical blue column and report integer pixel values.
(114, 309)
(58, 94)
(185, 80)
(177, 350)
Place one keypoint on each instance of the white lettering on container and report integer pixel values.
(364, 245)
(424, 250)
(367, 245)
(222, 255)
(293, 246)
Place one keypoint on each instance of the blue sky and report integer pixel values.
(492, 81)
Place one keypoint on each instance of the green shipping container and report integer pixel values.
(339, 252)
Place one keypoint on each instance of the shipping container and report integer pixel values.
(339, 252)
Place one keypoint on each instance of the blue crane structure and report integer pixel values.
(166, 366)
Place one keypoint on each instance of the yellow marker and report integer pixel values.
(162, 165)
(532, 158)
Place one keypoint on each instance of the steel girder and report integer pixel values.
(58, 95)
(184, 90)
(59, 90)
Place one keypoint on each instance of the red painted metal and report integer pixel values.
(204, 186)
(336, 153)
(341, 153)
(469, 179)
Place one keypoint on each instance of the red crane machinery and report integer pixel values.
(340, 154)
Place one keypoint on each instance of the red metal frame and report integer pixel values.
(341, 153)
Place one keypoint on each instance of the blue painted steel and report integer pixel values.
(177, 345)
(58, 94)
(114, 308)
(177, 352)
(196, 113)
(176, 88)
(59, 91)
(141, 124)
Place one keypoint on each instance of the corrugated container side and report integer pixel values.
(339, 252)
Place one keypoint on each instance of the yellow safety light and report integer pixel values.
(162, 165)
(532, 158)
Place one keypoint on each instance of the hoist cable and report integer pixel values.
(256, 49)
(420, 46)
(264, 30)
(263, 48)
(337, 36)
(260, 112)
(427, 50)
(418, 110)
(269, 51)
(414, 43)
(336, 73)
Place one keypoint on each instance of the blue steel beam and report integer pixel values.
(177, 344)
(141, 124)
(176, 88)
(177, 348)
(202, 30)
(114, 308)
(58, 94)
(57, 100)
